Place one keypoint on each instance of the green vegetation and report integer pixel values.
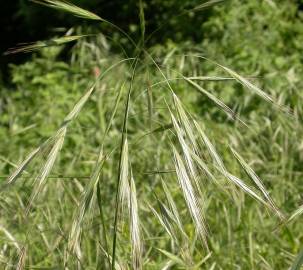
(184, 154)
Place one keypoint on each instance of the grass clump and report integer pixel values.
(135, 176)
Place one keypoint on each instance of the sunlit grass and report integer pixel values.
(160, 191)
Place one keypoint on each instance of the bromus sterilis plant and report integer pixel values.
(145, 203)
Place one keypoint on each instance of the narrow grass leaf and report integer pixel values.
(29, 47)
(150, 103)
(212, 150)
(173, 257)
(202, 165)
(77, 108)
(221, 104)
(244, 187)
(207, 4)
(173, 207)
(69, 8)
(298, 261)
(254, 88)
(124, 191)
(248, 84)
(117, 266)
(185, 148)
(258, 182)
(84, 206)
(11, 238)
(185, 122)
(198, 265)
(117, 101)
(211, 78)
(52, 156)
(164, 221)
(156, 130)
(103, 223)
(14, 176)
(135, 228)
(221, 167)
(296, 213)
(190, 198)
(168, 217)
(22, 259)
